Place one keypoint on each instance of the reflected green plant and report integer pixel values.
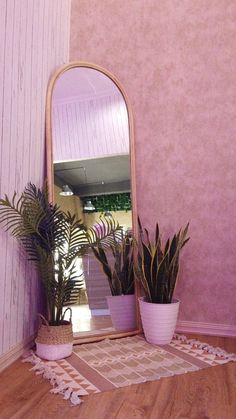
(53, 240)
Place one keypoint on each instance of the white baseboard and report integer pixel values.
(100, 312)
(210, 329)
(14, 353)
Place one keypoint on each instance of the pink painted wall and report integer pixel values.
(90, 128)
(177, 61)
(34, 38)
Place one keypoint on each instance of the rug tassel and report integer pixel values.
(208, 348)
(60, 387)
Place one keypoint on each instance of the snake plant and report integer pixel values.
(117, 263)
(53, 240)
(157, 266)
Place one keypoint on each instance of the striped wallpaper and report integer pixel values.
(91, 128)
(34, 42)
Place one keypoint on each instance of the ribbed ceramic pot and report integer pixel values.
(123, 312)
(158, 320)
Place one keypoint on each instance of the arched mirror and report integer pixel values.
(90, 170)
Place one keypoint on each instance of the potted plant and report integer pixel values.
(116, 261)
(157, 268)
(53, 240)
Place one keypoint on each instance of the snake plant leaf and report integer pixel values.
(167, 246)
(157, 270)
(146, 261)
(147, 238)
(154, 267)
(173, 247)
(116, 288)
(161, 291)
(140, 226)
(157, 234)
(99, 253)
(116, 260)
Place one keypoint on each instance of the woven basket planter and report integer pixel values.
(54, 342)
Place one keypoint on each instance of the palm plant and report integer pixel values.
(157, 267)
(53, 240)
(117, 263)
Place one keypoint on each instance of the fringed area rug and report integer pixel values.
(109, 364)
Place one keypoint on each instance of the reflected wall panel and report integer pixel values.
(96, 128)
(34, 42)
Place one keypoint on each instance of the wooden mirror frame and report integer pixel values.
(50, 172)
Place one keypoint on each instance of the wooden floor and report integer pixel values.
(205, 394)
(84, 321)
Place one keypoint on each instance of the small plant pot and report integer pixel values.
(54, 342)
(158, 320)
(123, 312)
(53, 352)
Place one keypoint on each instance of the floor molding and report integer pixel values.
(100, 312)
(14, 353)
(210, 329)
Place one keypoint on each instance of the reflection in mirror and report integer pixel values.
(90, 142)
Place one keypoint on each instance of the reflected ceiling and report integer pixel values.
(95, 176)
(83, 83)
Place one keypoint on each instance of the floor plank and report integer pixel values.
(206, 394)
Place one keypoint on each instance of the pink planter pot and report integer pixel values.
(54, 352)
(54, 342)
(158, 320)
(123, 312)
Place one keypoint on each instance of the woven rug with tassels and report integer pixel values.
(109, 364)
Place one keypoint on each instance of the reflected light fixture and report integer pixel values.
(66, 191)
(88, 206)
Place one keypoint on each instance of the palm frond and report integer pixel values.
(53, 240)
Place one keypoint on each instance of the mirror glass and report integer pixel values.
(91, 170)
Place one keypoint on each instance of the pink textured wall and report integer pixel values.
(34, 37)
(177, 61)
